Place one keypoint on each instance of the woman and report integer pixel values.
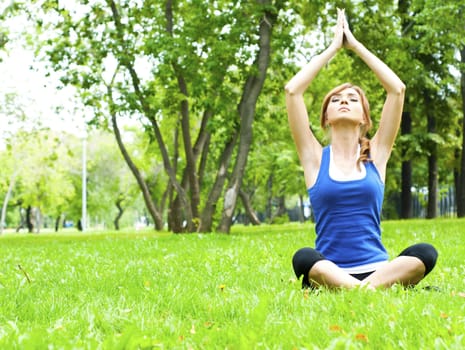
(345, 180)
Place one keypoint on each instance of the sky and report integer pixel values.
(35, 93)
(31, 85)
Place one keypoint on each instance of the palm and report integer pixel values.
(349, 40)
(338, 40)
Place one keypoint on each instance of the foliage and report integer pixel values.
(153, 290)
(183, 76)
(108, 179)
(41, 180)
(45, 169)
(181, 80)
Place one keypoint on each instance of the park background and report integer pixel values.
(171, 114)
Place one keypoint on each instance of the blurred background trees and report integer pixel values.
(185, 109)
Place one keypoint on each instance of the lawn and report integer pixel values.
(147, 290)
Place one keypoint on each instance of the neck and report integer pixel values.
(345, 141)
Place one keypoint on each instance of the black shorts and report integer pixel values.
(305, 258)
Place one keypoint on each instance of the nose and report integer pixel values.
(344, 100)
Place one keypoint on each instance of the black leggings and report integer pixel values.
(305, 258)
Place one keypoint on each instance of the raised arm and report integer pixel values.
(383, 140)
(308, 147)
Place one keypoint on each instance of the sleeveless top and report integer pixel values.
(347, 217)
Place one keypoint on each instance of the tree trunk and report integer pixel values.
(191, 169)
(30, 219)
(460, 188)
(200, 149)
(57, 222)
(22, 218)
(432, 210)
(406, 177)
(406, 204)
(38, 219)
(301, 209)
(206, 221)
(269, 198)
(246, 109)
(457, 155)
(248, 208)
(191, 208)
(120, 213)
(128, 62)
(11, 184)
(281, 209)
(175, 209)
(154, 213)
(177, 216)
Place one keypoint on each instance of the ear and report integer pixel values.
(325, 116)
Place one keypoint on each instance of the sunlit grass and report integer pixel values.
(211, 291)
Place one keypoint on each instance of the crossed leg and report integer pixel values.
(405, 270)
(409, 268)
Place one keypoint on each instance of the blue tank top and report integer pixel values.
(347, 216)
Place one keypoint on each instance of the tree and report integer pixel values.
(197, 78)
(111, 188)
(12, 164)
(42, 185)
(29, 162)
(246, 108)
(433, 38)
(3, 30)
(206, 65)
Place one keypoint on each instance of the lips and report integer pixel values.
(343, 109)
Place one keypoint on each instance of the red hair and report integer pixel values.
(364, 128)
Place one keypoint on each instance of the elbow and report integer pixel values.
(397, 90)
(400, 90)
(290, 90)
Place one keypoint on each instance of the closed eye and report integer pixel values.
(350, 97)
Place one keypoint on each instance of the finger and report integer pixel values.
(340, 17)
(346, 24)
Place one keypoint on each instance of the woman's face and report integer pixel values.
(345, 106)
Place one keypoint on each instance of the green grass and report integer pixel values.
(164, 291)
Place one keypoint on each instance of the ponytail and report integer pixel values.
(364, 151)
